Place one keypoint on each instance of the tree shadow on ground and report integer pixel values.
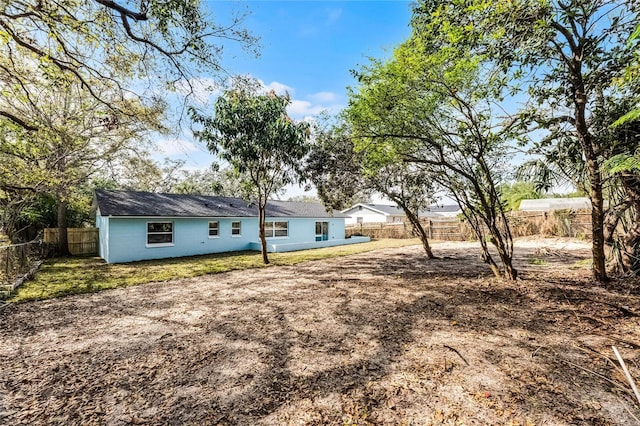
(355, 340)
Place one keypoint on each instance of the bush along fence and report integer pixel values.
(560, 223)
(18, 263)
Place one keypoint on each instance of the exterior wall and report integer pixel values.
(367, 216)
(128, 238)
(303, 230)
(124, 239)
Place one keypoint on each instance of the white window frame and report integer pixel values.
(270, 229)
(239, 228)
(165, 244)
(217, 229)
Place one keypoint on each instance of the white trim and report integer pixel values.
(160, 245)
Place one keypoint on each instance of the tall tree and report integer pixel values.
(254, 134)
(108, 44)
(429, 105)
(76, 137)
(565, 53)
(342, 176)
(335, 169)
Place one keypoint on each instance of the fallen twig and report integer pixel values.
(596, 374)
(588, 349)
(458, 353)
(626, 373)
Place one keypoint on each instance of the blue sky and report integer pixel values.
(308, 49)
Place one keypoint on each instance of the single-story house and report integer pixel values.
(382, 213)
(550, 204)
(142, 225)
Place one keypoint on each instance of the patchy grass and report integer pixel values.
(76, 275)
(537, 261)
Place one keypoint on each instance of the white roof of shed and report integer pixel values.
(549, 204)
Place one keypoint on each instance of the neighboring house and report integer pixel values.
(550, 204)
(373, 213)
(382, 213)
(142, 225)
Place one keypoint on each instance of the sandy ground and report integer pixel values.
(384, 337)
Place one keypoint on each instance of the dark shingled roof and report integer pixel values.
(151, 204)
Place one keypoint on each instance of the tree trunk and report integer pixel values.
(597, 222)
(486, 256)
(506, 256)
(63, 242)
(631, 240)
(422, 234)
(262, 206)
(503, 241)
(631, 246)
(593, 169)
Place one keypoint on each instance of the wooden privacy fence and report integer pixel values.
(560, 223)
(82, 241)
(441, 229)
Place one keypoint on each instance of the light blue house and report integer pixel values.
(142, 225)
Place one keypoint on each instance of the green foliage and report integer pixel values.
(304, 199)
(567, 56)
(336, 170)
(104, 46)
(77, 136)
(254, 134)
(515, 192)
(431, 105)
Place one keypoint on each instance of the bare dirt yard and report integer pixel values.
(384, 337)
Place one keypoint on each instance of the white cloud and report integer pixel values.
(299, 108)
(314, 105)
(279, 88)
(176, 147)
(323, 97)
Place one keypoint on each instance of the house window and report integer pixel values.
(214, 229)
(276, 229)
(159, 233)
(236, 229)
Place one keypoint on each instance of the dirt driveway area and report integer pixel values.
(384, 337)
